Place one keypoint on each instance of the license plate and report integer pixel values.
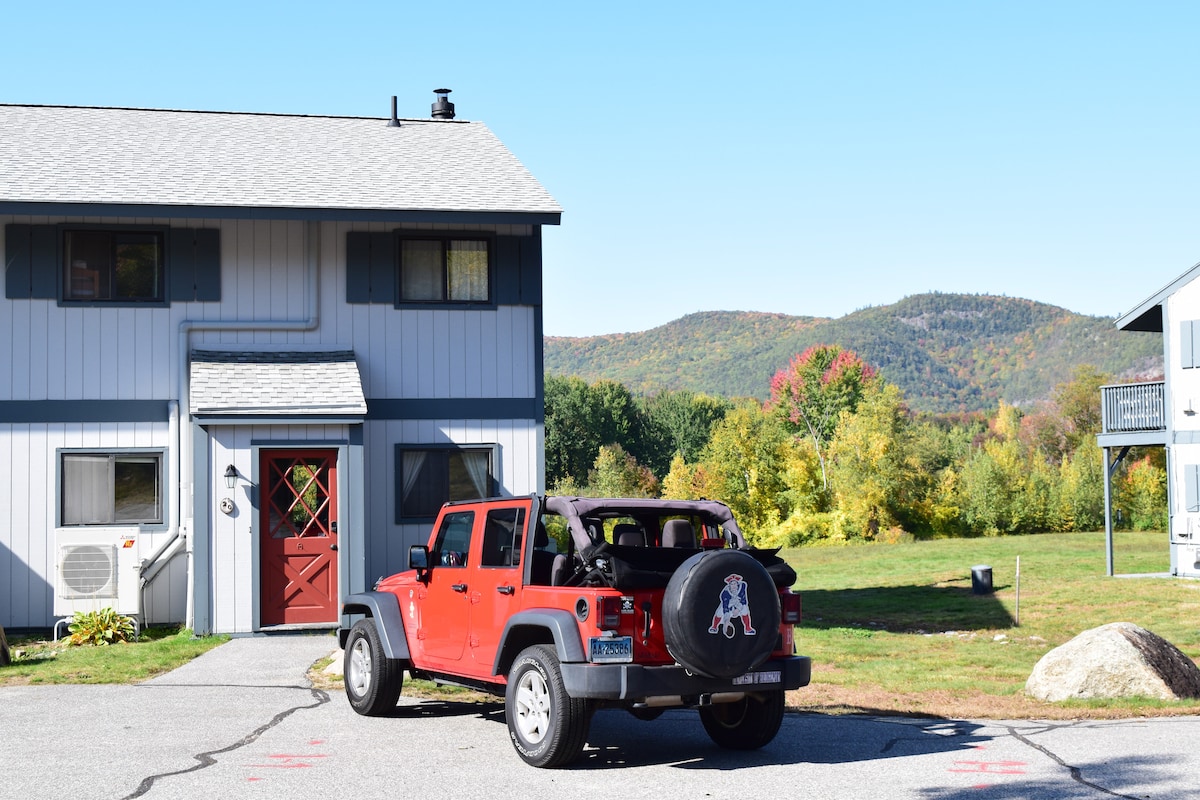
(755, 678)
(610, 650)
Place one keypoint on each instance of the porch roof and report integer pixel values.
(276, 383)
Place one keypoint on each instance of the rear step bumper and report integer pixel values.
(636, 682)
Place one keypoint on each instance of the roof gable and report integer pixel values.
(142, 157)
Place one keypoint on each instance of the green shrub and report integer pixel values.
(103, 627)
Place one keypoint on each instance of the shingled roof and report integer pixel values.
(274, 164)
(283, 383)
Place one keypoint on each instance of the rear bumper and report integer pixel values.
(635, 682)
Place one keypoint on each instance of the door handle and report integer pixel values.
(333, 547)
(505, 589)
(459, 587)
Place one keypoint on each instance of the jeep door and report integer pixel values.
(495, 590)
(444, 607)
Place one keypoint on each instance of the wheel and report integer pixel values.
(547, 726)
(747, 724)
(721, 614)
(373, 681)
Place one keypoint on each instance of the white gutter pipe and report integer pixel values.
(184, 516)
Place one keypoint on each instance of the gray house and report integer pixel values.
(1164, 413)
(249, 355)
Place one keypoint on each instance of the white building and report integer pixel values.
(249, 355)
(1165, 413)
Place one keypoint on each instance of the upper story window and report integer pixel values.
(444, 270)
(124, 266)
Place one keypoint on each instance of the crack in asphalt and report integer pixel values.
(206, 759)
(1076, 772)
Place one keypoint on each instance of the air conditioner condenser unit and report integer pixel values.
(98, 568)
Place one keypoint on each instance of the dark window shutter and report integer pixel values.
(208, 265)
(518, 270)
(506, 275)
(17, 257)
(384, 268)
(370, 267)
(531, 268)
(181, 265)
(44, 262)
(194, 264)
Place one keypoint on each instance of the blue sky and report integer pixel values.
(803, 158)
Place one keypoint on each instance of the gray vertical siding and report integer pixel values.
(54, 353)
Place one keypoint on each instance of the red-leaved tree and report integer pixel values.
(814, 389)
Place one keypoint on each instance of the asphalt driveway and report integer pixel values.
(242, 721)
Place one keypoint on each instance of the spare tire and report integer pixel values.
(721, 614)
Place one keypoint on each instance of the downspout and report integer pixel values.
(183, 442)
(151, 567)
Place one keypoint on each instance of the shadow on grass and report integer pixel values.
(905, 609)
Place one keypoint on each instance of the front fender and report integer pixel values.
(384, 608)
(539, 626)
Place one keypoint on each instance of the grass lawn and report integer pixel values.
(890, 628)
(158, 650)
(896, 628)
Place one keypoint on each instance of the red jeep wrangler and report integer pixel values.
(568, 604)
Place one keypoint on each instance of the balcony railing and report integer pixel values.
(1133, 407)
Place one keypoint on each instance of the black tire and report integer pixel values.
(747, 724)
(372, 680)
(703, 639)
(547, 726)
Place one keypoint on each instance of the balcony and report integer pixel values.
(1133, 414)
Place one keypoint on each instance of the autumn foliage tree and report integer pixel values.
(813, 391)
(836, 455)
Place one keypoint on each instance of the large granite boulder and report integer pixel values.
(1115, 660)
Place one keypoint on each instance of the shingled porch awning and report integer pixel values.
(275, 384)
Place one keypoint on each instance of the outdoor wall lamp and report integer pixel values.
(231, 476)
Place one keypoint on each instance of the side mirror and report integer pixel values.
(418, 557)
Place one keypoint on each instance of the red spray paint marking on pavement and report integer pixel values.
(992, 767)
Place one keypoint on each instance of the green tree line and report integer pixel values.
(836, 455)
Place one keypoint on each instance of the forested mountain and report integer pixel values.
(946, 352)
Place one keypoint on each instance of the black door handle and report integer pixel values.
(505, 589)
(333, 547)
(458, 587)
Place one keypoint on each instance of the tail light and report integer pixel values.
(608, 613)
(789, 608)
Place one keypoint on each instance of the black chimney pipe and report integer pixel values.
(443, 108)
(394, 122)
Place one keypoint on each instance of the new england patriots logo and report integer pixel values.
(733, 605)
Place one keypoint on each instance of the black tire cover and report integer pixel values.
(721, 614)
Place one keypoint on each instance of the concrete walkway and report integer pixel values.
(104, 741)
(278, 660)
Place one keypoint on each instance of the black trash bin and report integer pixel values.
(981, 579)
